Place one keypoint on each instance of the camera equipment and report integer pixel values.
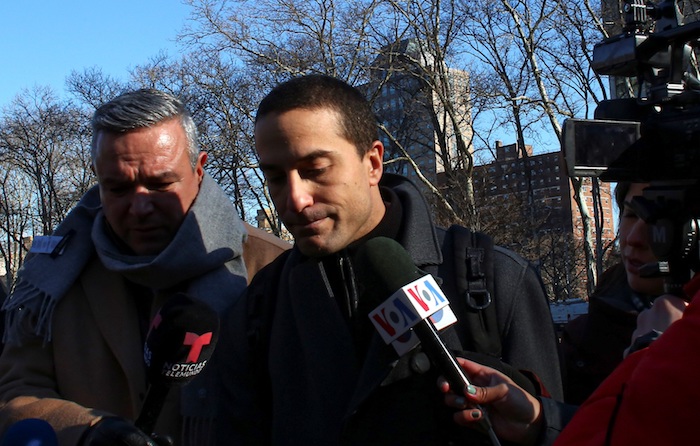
(654, 137)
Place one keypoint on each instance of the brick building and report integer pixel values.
(534, 192)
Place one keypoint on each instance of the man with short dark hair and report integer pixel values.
(155, 225)
(301, 363)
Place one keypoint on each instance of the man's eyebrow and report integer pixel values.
(319, 153)
(164, 176)
(160, 177)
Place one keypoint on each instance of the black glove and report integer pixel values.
(115, 431)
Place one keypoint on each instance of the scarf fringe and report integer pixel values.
(20, 321)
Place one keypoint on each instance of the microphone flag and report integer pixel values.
(413, 302)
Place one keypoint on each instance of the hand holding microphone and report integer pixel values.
(415, 306)
(113, 431)
(515, 413)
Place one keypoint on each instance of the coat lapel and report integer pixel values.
(117, 319)
(313, 366)
(378, 363)
(327, 343)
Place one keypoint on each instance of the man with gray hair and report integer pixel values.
(155, 225)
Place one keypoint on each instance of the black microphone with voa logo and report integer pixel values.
(178, 346)
(387, 268)
(30, 432)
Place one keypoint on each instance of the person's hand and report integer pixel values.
(514, 413)
(115, 431)
(666, 310)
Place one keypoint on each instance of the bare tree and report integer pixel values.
(44, 168)
(92, 87)
(40, 136)
(239, 50)
(431, 128)
(539, 56)
(345, 40)
(16, 218)
(286, 38)
(524, 65)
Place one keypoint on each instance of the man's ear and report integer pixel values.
(375, 156)
(199, 167)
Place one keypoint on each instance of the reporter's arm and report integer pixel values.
(27, 390)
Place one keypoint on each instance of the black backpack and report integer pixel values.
(467, 274)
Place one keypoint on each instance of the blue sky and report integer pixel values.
(42, 41)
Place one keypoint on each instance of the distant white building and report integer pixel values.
(564, 311)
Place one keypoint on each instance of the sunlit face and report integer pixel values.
(634, 246)
(326, 194)
(147, 183)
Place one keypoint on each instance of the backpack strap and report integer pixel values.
(468, 269)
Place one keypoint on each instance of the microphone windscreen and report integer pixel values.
(30, 432)
(384, 266)
(180, 341)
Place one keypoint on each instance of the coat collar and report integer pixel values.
(417, 234)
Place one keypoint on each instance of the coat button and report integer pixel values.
(420, 363)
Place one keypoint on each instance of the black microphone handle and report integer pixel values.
(152, 405)
(438, 352)
(441, 356)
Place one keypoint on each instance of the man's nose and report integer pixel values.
(141, 202)
(299, 194)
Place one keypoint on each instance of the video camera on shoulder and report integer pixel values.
(653, 137)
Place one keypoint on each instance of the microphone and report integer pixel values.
(30, 432)
(415, 306)
(178, 346)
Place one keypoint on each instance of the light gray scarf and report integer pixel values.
(206, 253)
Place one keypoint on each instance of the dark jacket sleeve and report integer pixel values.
(244, 405)
(242, 355)
(528, 337)
(237, 412)
(555, 416)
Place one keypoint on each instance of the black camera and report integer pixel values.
(655, 136)
(652, 138)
